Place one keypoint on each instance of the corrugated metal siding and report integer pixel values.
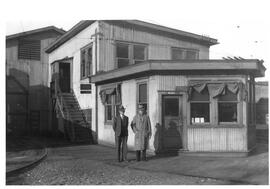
(217, 139)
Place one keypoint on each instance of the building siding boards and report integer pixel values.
(72, 48)
(159, 47)
(33, 75)
(217, 139)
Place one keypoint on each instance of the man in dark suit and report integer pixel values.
(120, 127)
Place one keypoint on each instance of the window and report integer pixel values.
(227, 107)
(138, 53)
(142, 95)
(86, 62)
(83, 74)
(171, 106)
(29, 49)
(109, 108)
(85, 88)
(112, 103)
(122, 53)
(128, 53)
(199, 107)
(184, 54)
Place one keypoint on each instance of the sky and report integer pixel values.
(242, 28)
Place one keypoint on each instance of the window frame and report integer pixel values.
(106, 107)
(204, 102)
(114, 104)
(140, 82)
(131, 59)
(213, 108)
(185, 52)
(237, 102)
(88, 65)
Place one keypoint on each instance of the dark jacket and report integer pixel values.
(120, 127)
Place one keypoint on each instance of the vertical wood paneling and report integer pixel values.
(159, 46)
(170, 82)
(217, 139)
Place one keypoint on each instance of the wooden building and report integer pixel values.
(195, 104)
(27, 84)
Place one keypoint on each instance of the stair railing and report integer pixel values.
(83, 115)
(64, 111)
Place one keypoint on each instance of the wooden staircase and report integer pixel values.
(77, 129)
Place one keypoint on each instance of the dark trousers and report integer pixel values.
(121, 147)
(139, 153)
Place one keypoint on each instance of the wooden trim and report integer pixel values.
(231, 125)
(187, 67)
(87, 46)
(138, 82)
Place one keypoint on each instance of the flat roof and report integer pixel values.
(39, 30)
(182, 67)
(154, 27)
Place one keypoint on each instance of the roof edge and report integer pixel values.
(30, 32)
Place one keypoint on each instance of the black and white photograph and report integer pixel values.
(135, 93)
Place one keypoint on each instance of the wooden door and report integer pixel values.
(172, 126)
(64, 77)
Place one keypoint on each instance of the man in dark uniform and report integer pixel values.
(120, 127)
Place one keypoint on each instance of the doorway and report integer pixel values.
(172, 122)
(64, 77)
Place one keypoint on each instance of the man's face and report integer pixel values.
(141, 112)
(121, 112)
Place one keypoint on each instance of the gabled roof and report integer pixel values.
(69, 34)
(39, 30)
(152, 27)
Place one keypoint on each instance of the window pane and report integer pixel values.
(142, 93)
(191, 55)
(109, 99)
(83, 63)
(123, 62)
(89, 60)
(199, 112)
(229, 96)
(178, 54)
(109, 112)
(203, 96)
(139, 52)
(227, 112)
(122, 50)
(171, 107)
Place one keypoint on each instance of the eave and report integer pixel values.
(184, 67)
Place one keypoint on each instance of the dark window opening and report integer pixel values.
(139, 53)
(227, 112)
(142, 95)
(200, 113)
(200, 107)
(86, 62)
(227, 107)
(128, 53)
(171, 106)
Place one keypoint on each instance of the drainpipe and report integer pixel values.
(96, 88)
